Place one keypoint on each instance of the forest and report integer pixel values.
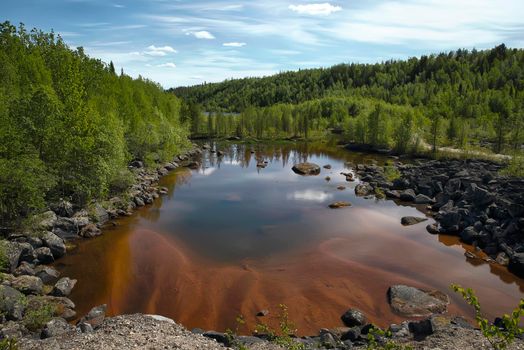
(69, 124)
(465, 99)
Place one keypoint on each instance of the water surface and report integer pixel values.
(231, 239)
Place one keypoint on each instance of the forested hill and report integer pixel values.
(69, 124)
(464, 80)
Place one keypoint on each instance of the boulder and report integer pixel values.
(306, 169)
(27, 284)
(422, 199)
(353, 317)
(393, 194)
(421, 329)
(90, 231)
(411, 220)
(11, 303)
(55, 243)
(479, 196)
(16, 253)
(433, 229)
(57, 326)
(47, 274)
(44, 255)
(25, 268)
(63, 287)
(408, 195)
(62, 208)
(339, 204)
(218, 337)
(414, 302)
(363, 189)
(327, 166)
(136, 164)
(95, 317)
(99, 214)
(45, 221)
(66, 228)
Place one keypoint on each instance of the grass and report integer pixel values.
(391, 173)
(4, 261)
(515, 166)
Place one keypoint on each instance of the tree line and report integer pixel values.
(69, 124)
(465, 97)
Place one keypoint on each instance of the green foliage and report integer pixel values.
(284, 335)
(8, 344)
(69, 125)
(386, 344)
(391, 172)
(3, 256)
(515, 166)
(500, 337)
(35, 319)
(231, 335)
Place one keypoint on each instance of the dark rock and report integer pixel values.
(44, 255)
(433, 229)
(414, 302)
(408, 195)
(327, 166)
(411, 220)
(469, 235)
(90, 231)
(423, 199)
(306, 169)
(218, 337)
(27, 284)
(353, 334)
(47, 274)
(139, 201)
(262, 313)
(57, 326)
(99, 213)
(85, 327)
(220, 153)
(421, 329)
(63, 287)
(66, 228)
(353, 317)
(62, 208)
(11, 303)
(339, 204)
(45, 221)
(502, 259)
(136, 164)
(393, 194)
(363, 189)
(479, 196)
(95, 317)
(55, 243)
(327, 340)
(341, 188)
(25, 268)
(400, 184)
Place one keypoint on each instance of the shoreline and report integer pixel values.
(150, 181)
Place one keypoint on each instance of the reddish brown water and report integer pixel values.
(232, 239)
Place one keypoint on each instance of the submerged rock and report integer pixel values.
(339, 204)
(411, 220)
(306, 169)
(414, 302)
(353, 317)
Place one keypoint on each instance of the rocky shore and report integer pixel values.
(467, 198)
(33, 296)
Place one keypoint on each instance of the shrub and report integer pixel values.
(36, 319)
(503, 333)
(3, 256)
(283, 336)
(386, 343)
(8, 344)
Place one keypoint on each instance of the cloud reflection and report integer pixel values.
(310, 195)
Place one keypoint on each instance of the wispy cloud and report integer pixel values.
(323, 9)
(234, 44)
(166, 65)
(201, 34)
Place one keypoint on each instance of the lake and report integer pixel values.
(232, 239)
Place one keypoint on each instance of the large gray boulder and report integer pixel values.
(95, 317)
(63, 208)
(47, 274)
(11, 303)
(63, 287)
(306, 169)
(413, 302)
(27, 284)
(55, 243)
(66, 228)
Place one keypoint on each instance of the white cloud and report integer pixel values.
(155, 53)
(323, 9)
(234, 44)
(118, 6)
(161, 48)
(202, 34)
(167, 65)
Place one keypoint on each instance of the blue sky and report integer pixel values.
(182, 42)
